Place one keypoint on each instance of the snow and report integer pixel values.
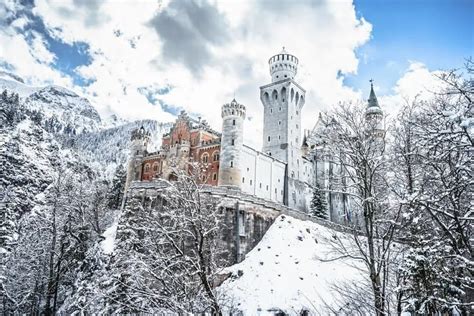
(287, 271)
(108, 244)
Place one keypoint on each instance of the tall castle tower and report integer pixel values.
(283, 100)
(139, 143)
(233, 116)
(374, 113)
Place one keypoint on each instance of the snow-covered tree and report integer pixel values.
(168, 255)
(438, 269)
(318, 203)
(117, 188)
(359, 147)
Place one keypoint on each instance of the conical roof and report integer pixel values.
(372, 102)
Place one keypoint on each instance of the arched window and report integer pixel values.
(283, 93)
(147, 167)
(215, 156)
(155, 166)
(292, 94)
(266, 97)
(205, 158)
(275, 95)
(297, 98)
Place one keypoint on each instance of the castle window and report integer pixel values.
(280, 109)
(279, 122)
(205, 158)
(155, 167)
(271, 110)
(214, 176)
(243, 179)
(233, 142)
(215, 156)
(232, 165)
(279, 137)
(297, 126)
(248, 169)
(233, 122)
(260, 185)
(147, 167)
(250, 182)
(268, 138)
(276, 192)
(138, 152)
(267, 187)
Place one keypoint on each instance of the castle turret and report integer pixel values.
(233, 116)
(138, 146)
(374, 113)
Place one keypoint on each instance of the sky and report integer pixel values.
(152, 59)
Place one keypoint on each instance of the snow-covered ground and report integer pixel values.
(295, 267)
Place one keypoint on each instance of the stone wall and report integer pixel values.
(246, 217)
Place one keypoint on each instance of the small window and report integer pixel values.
(276, 192)
(279, 122)
(250, 182)
(248, 169)
(268, 138)
(271, 110)
(233, 122)
(214, 176)
(260, 185)
(279, 137)
(280, 109)
(216, 157)
(297, 113)
(233, 142)
(243, 179)
(267, 187)
(232, 164)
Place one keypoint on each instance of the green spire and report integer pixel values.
(372, 102)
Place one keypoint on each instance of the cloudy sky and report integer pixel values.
(151, 59)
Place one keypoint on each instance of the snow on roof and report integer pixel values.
(287, 271)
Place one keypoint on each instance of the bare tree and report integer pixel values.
(178, 249)
(359, 147)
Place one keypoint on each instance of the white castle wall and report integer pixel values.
(262, 175)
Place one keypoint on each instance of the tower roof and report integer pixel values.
(372, 103)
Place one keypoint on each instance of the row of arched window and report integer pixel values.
(283, 94)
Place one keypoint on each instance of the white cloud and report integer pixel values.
(417, 82)
(127, 53)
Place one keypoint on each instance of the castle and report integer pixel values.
(284, 172)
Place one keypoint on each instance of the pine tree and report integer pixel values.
(318, 203)
(116, 191)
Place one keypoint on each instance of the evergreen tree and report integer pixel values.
(318, 203)
(116, 191)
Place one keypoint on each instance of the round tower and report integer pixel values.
(283, 66)
(138, 146)
(233, 116)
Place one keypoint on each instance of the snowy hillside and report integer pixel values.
(295, 267)
(12, 82)
(71, 111)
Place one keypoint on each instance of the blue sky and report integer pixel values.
(438, 33)
(142, 59)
